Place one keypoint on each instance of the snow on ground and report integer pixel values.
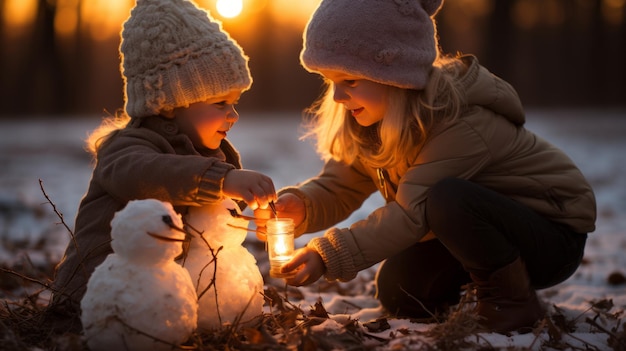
(51, 150)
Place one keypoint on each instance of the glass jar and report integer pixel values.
(280, 244)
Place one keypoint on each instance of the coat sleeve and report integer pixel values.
(458, 151)
(333, 195)
(132, 167)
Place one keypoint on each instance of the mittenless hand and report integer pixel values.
(287, 206)
(307, 266)
(256, 189)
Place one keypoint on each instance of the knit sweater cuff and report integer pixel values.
(210, 187)
(337, 258)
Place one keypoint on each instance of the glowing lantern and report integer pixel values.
(280, 244)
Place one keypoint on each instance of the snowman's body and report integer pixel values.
(238, 281)
(139, 298)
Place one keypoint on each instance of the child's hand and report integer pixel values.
(256, 189)
(288, 206)
(307, 266)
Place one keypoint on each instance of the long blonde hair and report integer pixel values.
(410, 118)
(110, 125)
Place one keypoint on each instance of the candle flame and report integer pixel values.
(280, 247)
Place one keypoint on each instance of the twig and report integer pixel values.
(537, 331)
(213, 282)
(234, 213)
(420, 303)
(258, 230)
(235, 324)
(32, 280)
(595, 324)
(59, 214)
(72, 236)
(124, 323)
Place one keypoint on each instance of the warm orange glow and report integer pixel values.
(66, 20)
(229, 8)
(529, 14)
(103, 18)
(280, 241)
(295, 12)
(19, 13)
(280, 246)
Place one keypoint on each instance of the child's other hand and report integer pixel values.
(291, 206)
(287, 206)
(307, 266)
(256, 189)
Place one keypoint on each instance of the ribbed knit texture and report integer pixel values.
(336, 256)
(174, 54)
(391, 42)
(210, 187)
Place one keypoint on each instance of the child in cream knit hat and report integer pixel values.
(472, 197)
(173, 55)
(183, 76)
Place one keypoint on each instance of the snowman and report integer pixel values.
(227, 279)
(139, 298)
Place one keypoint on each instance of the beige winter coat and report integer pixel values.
(148, 159)
(487, 145)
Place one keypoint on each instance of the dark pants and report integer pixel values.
(478, 231)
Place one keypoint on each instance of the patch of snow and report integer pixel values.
(52, 150)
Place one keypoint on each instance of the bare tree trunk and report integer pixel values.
(501, 42)
(42, 85)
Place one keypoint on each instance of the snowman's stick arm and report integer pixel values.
(258, 230)
(236, 214)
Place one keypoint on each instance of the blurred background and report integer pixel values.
(59, 74)
(61, 56)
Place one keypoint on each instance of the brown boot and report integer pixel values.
(506, 301)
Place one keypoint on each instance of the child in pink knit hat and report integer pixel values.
(183, 76)
(472, 197)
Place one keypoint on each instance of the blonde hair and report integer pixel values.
(410, 118)
(109, 127)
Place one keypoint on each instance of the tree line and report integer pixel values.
(574, 58)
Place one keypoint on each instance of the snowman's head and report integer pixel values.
(217, 225)
(147, 231)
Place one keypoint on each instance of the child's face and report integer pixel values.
(207, 122)
(366, 100)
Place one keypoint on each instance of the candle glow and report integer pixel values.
(280, 244)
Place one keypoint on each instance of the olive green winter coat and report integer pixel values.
(487, 145)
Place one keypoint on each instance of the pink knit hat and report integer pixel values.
(391, 42)
(174, 54)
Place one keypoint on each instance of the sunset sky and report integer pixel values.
(103, 18)
(67, 59)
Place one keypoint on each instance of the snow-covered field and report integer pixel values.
(51, 150)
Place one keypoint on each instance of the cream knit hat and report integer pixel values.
(174, 54)
(391, 42)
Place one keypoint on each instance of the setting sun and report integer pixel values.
(229, 8)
